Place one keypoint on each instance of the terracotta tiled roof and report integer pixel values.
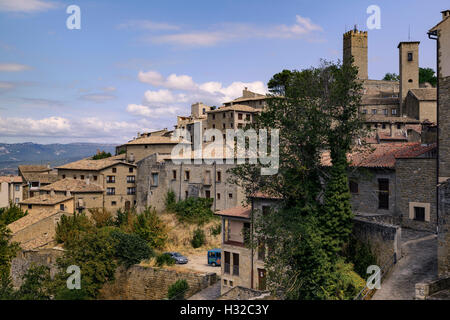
(37, 242)
(44, 178)
(46, 199)
(235, 107)
(93, 165)
(156, 140)
(238, 212)
(381, 119)
(33, 168)
(262, 195)
(11, 179)
(395, 138)
(73, 185)
(30, 219)
(384, 155)
(425, 94)
(378, 100)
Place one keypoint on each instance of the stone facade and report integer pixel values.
(444, 127)
(146, 283)
(409, 69)
(355, 44)
(157, 176)
(444, 230)
(10, 191)
(416, 188)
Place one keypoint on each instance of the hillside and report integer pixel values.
(13, 155)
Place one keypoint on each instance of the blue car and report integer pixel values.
(214, 256)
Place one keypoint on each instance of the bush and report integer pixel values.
(130, 249)
(151, 228)
(35, 285)
(348, 282)
(71, 227)
(101, 155)
(195, 210)
(170, 201)
(164, 259)
(198, 238)
(125, 220)
(216, 230)
(178, 290)
(360, 255)
(101, 217)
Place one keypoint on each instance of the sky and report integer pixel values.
(134, 65)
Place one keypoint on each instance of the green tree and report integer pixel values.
(151, 228)
(10, 214)
(36, 284)
(101, 155)
(178, 290)
(195, 210)
(8, 250)
(278, 83)
(198, 238)
(391, 77)
(170, 201)
(427, 75)
(72, 227)
(130, 249)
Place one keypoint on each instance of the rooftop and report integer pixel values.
(94, 165)
(73, 185)
(234, 107)
(156, 140)
(237, 212)
(30, 219)
(44, 178)
(384, 155)
(33, 168)
(385, 119)
(46, 199)
(11, 179)
(425, 94)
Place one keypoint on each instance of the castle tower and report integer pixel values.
(355, 44)
(409, 69)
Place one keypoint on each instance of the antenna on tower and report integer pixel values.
(409, 32)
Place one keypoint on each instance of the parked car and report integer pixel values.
(178, 257)
(214, 256)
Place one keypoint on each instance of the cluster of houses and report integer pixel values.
(398, 182)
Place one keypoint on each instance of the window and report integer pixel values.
(131, 179)
(383, 125)
(218, 196)
(223, 125)
(399, 126)
(187, 175)
(239, 116)
(30, 206)
(75, 177)
(394, 112)
(114, 170)
(174, 174)
(230, 195)
(419, 213)
(207, 194)
(353, 185)
(383, 194)
(265, 210)
(130, 170)
(231, 125)
(63, 176)
(410, 81)
(110, 191)
(17, 200)
(410, 56)
(61, 207)
(374, 111)
(385, 112)
(227, 262)
(113, 203)
(261, 249)
(247, 116)
(155, 179)
(219, 176)
(224, 115)
(235, 264)
(225, 282)
(246, 232)
(110, 179)
(240, 126)
(364, 111)
(214, 116)
(186, 194)
(203, 110)
(213, 126)
(231, 283)
(17, 187)
(82, 177)
(131, 191)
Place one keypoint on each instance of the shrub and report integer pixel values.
(170, 201)
(216, 230)
(71, 227)
(35, 285)
(198, 238)
(348, 282)
(164, 259)
(101, 155)
(360, 255)
(130, 249)
(194, 210)
(178, 290)
(101, 217)
(151, 228)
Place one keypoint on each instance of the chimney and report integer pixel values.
(445, 14)
(48, 165)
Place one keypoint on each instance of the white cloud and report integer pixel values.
(163, 96)
(148, 25)
(155, 112)
(234, 31)
(13, 67)
(26, 5)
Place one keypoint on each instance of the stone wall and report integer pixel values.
(416, 187)
(25, 259)
(384, 239)
(444, 228)
(146, 283)
(444, 127)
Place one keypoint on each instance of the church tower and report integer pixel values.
(355, 44)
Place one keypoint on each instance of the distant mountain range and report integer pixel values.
(15, 154)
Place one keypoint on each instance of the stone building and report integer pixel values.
(34, 177)
(115, 176)
(157, 174)
(250, 99)
(10, 190)
(87, 195)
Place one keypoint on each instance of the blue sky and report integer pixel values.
(135, 65)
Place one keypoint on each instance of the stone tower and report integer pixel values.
(408, 69)
(355, 44)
